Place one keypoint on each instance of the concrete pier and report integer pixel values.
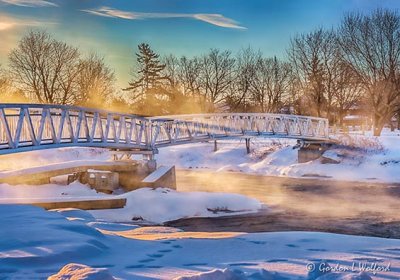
(311, 151)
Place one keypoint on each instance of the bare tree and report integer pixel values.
(371, 46)
(313, 58)
(216, 75)
(188, 74)
(178, 77)
(95, 81)
(4, 82)
(45, 68)
(239, 96)
(270, 83)
(171, 70)
(348, 91)
(8, 93)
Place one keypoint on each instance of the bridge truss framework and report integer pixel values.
(25, 127)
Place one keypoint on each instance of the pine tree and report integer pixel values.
(149, 70)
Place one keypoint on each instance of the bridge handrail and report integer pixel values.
(191, 116)
(68, 107)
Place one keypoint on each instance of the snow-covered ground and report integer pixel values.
(42, 193)
(148, 205)
(52, 156)
(162, 205)
(36, 244)
(269, 156)
(67, 243)
(277, 157)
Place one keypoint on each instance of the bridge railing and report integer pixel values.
(33, 126)
(182, 128)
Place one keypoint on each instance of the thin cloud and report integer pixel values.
(214, 19)
(219, 20)
(30, 3)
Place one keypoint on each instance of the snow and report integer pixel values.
(166, 204)
(270, 156)
(105, 244)
(227, 274)
(56, 166)
(332, 155)
(281, 160)
(216, 274)
(49, 192)
(37, 244)
(161, 205)
(156, 175)
(31, 236)
(52, 156)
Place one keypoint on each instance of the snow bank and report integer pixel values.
(227, 274)
(281, 160)
(31, 235)
(45, 157)
(152, 205)
(25, 193)
(161, 205)
(36, 244)
(216, 274)
(82, 272)
(270, 156)
(345, 276)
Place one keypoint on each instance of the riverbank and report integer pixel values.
(38, 243)
(355, 158)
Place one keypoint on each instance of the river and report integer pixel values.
(311, 204)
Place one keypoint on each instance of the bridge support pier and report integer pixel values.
(309, 151)
(150, 162)
(131, 180)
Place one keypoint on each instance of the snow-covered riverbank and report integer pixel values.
(278, 157)
(37, 243)
(146, 205)
(269, 156)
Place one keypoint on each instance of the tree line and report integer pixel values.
(45, 70)
(326, 73)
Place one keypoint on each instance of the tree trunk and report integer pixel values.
(398, 120)
(379, 122)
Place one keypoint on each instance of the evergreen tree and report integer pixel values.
(148, 75)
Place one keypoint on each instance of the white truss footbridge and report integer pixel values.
(26, 127)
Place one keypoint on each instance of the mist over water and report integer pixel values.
(321, 198)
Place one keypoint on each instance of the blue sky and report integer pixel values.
(114, 28)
